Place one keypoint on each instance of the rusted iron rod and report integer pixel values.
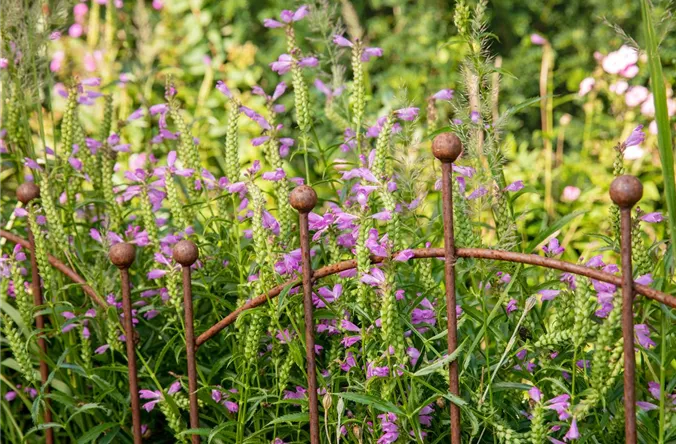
(626, 191)
(428, 253)
(122, 256)
(26, 193)
(63, 268)
(447, 147)
(304, 199)
(185, 253)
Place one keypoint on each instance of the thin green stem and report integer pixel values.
(661, 116)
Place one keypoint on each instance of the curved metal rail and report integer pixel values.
(427, 253)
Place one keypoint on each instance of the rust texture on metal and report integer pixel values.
(449, 277)
(304, 199)
(122, 256)
(626, 191)
(60, 266)
(26, 193)
(186, 253)
(428, 253)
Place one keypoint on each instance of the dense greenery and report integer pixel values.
(150, 123)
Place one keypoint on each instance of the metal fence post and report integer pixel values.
(26, 193)
(304, 199)
(447, 147)
(185, 253)
(122, 256)
(626, 191)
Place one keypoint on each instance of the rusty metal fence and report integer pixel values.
(625, 191)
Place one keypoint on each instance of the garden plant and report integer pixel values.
(358, 222)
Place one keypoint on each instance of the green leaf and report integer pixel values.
(292, 417)
(439, 364)
(556, 226)
(658, 89)
(374, 402)
(94, 433)
(498, 386)
(202, 431)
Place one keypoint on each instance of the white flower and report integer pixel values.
(620, 60)
(586, 85)
(634, 152)
(636, 95)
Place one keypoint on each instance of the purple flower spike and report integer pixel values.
(636, 137)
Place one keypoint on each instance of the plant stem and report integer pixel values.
(662, 117)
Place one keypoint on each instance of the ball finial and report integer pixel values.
(626, 191)
(27, 192)
(447, 147)
(185, 252)
(303, 198)
(122, 255)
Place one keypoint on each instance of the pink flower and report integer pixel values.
(285, 62)
(287, 17)
(560, 405)
(342, 41)
(404, 255)
(383, 215)
(369, 53)
(174, 387)
(154, 395)
(548, 295)
(479, 192)
(223, 88)
(514, 186)
(156, 274)
(535, 394)
(620, 61)
(636, 95)
(274, 176)
(636, 137)
(232, 407)
(570, 193)
(553, 248)
(327, 91)
(643, 336)
(645, 279)
(652, 218)
(537, 39)
(444, 94)
(511, 306)
(414, 354)
(408, 114)
(349, 326)
(573, 433)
